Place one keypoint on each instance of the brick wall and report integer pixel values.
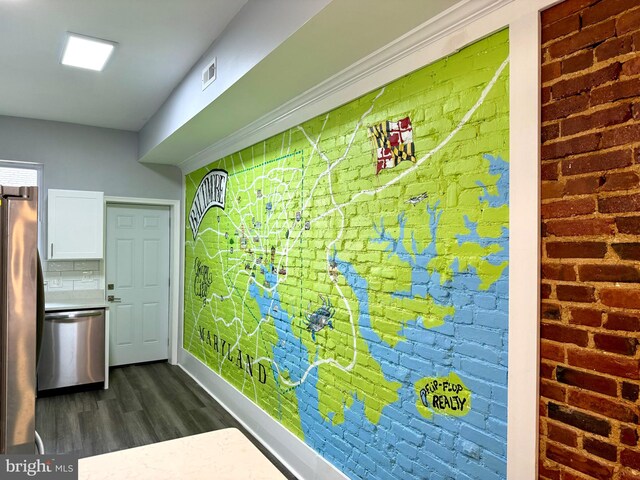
(410, 266)
(590, 287)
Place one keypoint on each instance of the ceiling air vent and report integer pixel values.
(209, 74)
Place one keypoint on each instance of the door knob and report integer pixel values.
(114, 299)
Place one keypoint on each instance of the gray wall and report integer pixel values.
(78, 157)
(258, 29)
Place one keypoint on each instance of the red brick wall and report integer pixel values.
(590, 307)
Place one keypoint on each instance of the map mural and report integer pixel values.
(350, 275)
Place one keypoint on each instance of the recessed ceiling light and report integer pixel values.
(86, 52)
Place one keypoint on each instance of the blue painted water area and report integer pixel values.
(290, 353)
(404, 444)
(472, 342)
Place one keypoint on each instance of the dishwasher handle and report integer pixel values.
(73, 315)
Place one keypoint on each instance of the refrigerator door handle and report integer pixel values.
(40, 303)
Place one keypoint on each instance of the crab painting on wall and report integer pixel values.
(320, 318)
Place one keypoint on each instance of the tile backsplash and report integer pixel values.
(67, 275)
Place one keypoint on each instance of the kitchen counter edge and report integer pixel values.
(75, 305)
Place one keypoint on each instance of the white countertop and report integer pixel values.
(222, 455)
(75, 304)
(74, 300)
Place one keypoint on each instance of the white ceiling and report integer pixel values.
(159, 41)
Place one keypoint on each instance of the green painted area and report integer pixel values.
(324, 169)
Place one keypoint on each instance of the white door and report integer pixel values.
(138, 279)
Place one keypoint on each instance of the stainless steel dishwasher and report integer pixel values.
(73, 344)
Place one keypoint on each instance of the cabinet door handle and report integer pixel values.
(52, 250)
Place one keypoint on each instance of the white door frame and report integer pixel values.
(174, 259)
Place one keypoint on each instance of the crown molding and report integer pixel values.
(370, 72)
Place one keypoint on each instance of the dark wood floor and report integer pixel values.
(144, 404)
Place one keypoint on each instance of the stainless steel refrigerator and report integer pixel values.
(19, 286)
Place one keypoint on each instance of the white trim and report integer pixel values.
(175, 241)
(294, 454)
(106, 345)
(337, 90)
(524, 264)
(522, 18)
(180, 336)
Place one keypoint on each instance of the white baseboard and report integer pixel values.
(292, 452)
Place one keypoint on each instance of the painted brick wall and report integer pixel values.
(410, 266)
(590, 308)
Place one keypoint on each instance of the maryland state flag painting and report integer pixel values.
(393, 142)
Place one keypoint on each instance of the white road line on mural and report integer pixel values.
(321, 154)
(238, 321)
(268, 175)
(433, 151)
(285, 252)
(284, 197)
(330, 166)
(299, 185)
(229, 296)
(242, 167)
(338, 208)
(328, 249)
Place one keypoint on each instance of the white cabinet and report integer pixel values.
(75, 227)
